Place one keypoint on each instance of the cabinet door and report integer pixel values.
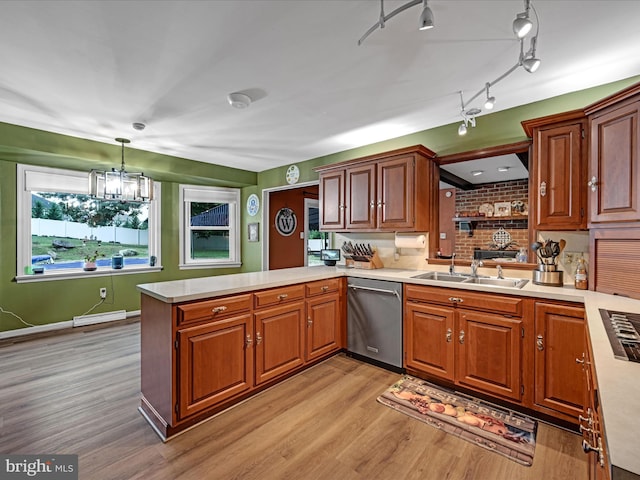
(279, 343)
(559, 332)
(559, 183)
(361, 194)
(323, 326)
(615, 139)
(395, 192)
(428, 339)
(489, 355)
(216, 363)
(331, 194)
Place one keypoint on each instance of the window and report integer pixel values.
(210, 223)
(60, 226)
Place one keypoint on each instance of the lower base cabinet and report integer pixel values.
(200, 357)
(480, 349)
(559, 352)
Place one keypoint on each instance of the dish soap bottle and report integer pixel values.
(581, 275)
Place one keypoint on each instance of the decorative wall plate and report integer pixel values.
(487, 209)
(253, 204)
(293, 174)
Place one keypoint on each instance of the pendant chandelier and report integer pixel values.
(120, 184)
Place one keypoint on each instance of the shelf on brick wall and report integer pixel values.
(490, 219)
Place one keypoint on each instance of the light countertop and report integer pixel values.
(618, 380)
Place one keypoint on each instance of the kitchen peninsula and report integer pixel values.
(173, 319)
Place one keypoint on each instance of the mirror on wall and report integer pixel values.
(483, 204)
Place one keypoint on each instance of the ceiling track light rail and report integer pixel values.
(522, 26)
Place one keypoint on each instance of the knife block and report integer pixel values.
(373, 263)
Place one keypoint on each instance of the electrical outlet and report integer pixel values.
(103, 293)
(570, 259)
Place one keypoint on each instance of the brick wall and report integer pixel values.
(469, 201)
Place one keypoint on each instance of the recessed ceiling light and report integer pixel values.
(475, 173)
(503, 169)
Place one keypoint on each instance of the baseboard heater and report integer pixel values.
(99, 318)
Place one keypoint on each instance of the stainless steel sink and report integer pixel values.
(445, 277)
(497, 282)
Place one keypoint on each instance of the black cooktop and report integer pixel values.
(623, 330)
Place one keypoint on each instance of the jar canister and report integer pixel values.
(117, 261)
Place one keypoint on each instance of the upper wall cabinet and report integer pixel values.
(614, 175)
(558, 171)
(394, 191)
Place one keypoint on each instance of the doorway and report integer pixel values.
(315, 240)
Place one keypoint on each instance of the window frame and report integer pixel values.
(76, 182)
(204, 194)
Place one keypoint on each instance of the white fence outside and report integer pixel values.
(64, 228)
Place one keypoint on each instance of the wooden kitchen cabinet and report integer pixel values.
(470, 338)
(215, 362)
(590, 423)
(324, 332)
(393, 191)
(279, 340)
(202, 356)
(560, 332)
(614, 175)
(558, 187)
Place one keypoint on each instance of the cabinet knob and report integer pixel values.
(543, 189)
(593, 183)
(461, 337)
(309, 321)
(372, 204)
(258, 338)
(540, 342)
(248, 341)
(282, 296)
(449, 333)
(219, 309)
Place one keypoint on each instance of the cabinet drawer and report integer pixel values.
(213, 309)
(465, 299)
(323, 286)
(277, 296)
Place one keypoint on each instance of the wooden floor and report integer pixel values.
(78, 393)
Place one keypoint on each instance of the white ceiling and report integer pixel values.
(91, 68)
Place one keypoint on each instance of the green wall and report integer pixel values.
(55, 301)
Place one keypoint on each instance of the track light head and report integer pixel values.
(426, 17)
(490, 101)
(531, 64)
(522, 25)
(462, 129)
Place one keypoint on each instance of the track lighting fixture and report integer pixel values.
(522, 25)
(490, 101)
(426, 17)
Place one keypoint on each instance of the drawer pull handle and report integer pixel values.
(587, 447)
(282, 296)
(456, 299)
(543, 189)
(585, 429)
(248, 341)
(540, 342)
(219, 309)
(449, 332)
(309, 321)
(258, 338)
(461, 337)
(580, 361)
(324, 288)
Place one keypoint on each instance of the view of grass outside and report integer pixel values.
(77, 249)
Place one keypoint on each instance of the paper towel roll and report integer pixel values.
(411, 240)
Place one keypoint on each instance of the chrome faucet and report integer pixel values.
(452, 267)
(499, 268)
(474, 267)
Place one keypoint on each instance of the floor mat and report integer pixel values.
(490, 426)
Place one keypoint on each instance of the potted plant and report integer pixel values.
(90, 261)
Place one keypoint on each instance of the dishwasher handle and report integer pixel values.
(379, 290)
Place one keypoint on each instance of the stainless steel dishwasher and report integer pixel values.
(374, 321)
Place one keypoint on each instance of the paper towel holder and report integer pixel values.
(410, 240)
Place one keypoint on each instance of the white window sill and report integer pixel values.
(192, 266)
(75, 273)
